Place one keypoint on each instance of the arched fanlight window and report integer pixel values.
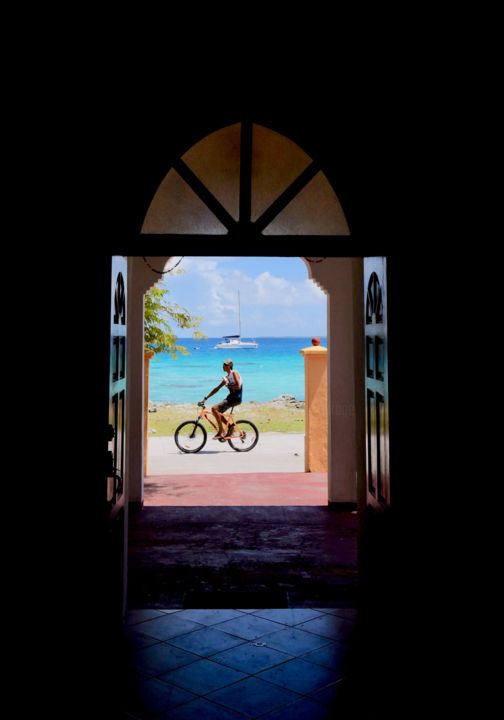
(244, 180)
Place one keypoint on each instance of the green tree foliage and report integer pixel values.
(160, 316)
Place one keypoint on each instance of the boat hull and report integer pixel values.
(236, 346)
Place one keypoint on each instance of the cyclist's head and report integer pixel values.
(228, 363)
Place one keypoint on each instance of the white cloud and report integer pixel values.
(270, 304)
(201, 266)
(278, 291)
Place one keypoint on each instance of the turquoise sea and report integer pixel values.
(275, 368)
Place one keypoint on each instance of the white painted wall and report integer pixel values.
(140, 279)
(339, 277)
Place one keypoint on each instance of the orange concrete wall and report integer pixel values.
(315, 359)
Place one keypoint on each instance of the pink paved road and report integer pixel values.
(254, 489)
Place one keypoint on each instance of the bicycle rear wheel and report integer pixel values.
(190, 436)
(245, 436)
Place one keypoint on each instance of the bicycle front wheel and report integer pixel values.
(190, 436)
(245, 436)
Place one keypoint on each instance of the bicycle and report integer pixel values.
(191, 435)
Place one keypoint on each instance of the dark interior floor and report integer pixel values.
(251, 612)
(192, 566)
(294, 658)
(276, 664)
(182, 557)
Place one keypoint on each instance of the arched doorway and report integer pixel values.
(240, 185)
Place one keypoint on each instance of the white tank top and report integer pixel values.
(230, 379)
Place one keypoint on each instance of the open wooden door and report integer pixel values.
(116, 465)
(117, 387)
(376, 368)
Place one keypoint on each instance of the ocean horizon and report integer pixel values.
(275, 368)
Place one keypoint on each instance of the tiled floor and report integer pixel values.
(277, 664)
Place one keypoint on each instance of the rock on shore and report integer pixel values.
(281, 400)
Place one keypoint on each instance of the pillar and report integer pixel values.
(341, 279)
(315, 359)
(140, 279)
(148, 354)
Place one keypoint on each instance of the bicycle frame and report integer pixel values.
(207, 415)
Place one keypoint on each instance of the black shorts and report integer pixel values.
(227, 403)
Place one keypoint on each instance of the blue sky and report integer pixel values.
(277, 297)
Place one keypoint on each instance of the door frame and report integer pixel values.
(341, 278)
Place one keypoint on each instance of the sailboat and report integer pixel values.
(234, 342)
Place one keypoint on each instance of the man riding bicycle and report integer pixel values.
(234, 383)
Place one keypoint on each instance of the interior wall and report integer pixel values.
(96, 205)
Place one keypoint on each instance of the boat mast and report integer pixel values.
(239, 318)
